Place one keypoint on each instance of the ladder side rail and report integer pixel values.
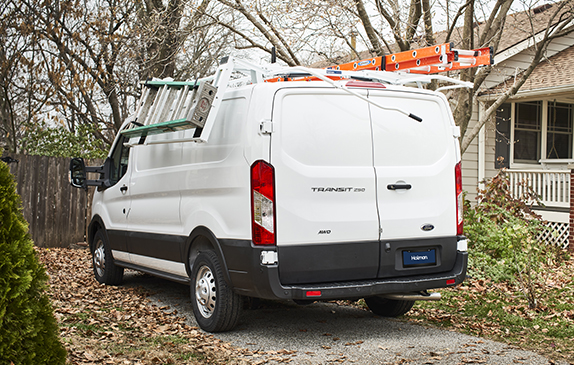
(180, 103)
(163, 105)
(155, 107)
(172, 102)
(143, 104)
(147, 107)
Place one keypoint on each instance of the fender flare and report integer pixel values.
(200, 239)
(96, 224)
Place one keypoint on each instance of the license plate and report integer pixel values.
(419, 258)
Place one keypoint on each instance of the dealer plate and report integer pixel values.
(419, 258)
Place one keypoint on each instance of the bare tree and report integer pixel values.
(83, 60)
(19, 102)
(411, 26)
(301, 32)
(10, 47)
(176, 38)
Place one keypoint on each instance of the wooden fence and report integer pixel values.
(56, 212)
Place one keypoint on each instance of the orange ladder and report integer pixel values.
(427, 60)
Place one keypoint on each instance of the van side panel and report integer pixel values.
(215, 180)
(155, 197)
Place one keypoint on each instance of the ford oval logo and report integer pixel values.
(427, 227)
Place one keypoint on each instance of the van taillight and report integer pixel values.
(459, 199)
(263, 203)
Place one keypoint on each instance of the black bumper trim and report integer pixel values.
(367, 288)
(250, 278)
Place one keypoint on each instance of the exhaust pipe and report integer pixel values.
(424, 295)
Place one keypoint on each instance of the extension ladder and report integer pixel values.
(427, 60)
(171, 106)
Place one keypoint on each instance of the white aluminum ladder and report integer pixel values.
(171, 106)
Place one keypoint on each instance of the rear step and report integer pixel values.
(414, 296)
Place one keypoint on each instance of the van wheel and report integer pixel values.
(384, 307)
(215, 306)
(105, 270)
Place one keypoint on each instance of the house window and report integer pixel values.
(527, 127)
(559, 137)
(530, 131)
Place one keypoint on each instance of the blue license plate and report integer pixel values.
(419, 258)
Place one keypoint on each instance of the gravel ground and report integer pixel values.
(322, 333)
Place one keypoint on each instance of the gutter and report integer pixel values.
(507, 53)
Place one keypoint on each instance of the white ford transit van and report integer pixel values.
(305, 190)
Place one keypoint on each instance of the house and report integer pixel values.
(532, 133)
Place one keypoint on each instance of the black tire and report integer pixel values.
(105, 270)
(215, 306)
(389, 307)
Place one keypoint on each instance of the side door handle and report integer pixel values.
(399, 186)
(123, 189)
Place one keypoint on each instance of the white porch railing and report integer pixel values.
(552, 186)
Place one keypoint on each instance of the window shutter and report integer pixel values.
(502, 149)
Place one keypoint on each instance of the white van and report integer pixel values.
(304, 191)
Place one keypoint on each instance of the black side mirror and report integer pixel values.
(78, 173)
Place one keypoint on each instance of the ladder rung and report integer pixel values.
(169, 126)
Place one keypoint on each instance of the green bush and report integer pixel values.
(502, 232)
(28, 329)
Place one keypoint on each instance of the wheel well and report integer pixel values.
(200, 243)
(202, 239)
(95, 226)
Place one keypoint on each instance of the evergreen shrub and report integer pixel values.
(28, 330)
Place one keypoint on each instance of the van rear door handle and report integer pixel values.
(399, 186)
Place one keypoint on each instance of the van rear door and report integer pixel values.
(415, 171)
(326, 213)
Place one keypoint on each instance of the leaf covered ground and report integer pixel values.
(117, 325)
(500, 311)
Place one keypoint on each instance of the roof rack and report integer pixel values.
(170, 106)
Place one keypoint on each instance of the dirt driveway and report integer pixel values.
(323, 333)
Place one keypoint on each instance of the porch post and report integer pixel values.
(571, 218)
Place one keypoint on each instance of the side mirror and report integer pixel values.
(78, 173)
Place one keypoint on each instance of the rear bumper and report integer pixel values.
(249, 277)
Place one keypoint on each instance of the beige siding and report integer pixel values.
(470, 174)
(470, 163)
